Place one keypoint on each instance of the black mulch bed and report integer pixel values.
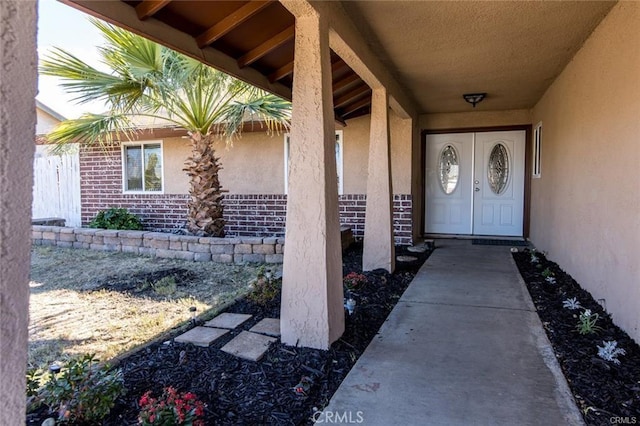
(606, 392)
(239, 392)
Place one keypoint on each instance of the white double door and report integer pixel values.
(475, 183)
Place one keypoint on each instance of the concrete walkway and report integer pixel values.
(463, 346)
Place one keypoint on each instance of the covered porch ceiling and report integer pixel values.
(436, 51)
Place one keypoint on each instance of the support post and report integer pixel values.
(379, 248)
(312, 312)
(18, 81)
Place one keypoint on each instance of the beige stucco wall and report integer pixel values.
(254, 164)
(586, 207)
(474, 119)
(17, 125)
(356, 154)
(45, 122)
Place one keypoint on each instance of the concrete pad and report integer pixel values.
(201, 336)
(228, 320)
(420, 248)
(247, 345)
(406, 258)
(268, 326)
(463, 346)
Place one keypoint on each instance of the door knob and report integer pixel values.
(477, 189)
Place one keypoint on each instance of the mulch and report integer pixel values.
(606, 393)
(236, 391)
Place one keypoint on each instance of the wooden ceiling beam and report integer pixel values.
(356, 106)
(350, 96)
(228, 23)
(148, 8)
(344, 82)
(281, 72)
(338, 65)
(266, 47)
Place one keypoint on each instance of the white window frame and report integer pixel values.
(339, 161)
(536, 169)
(123, 154)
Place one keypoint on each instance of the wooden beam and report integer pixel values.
(266, 47)
(338, 65)
(341, 84)
(356, 106)
(281, 72)
(349, 96)
(148, 8)
(230, 22)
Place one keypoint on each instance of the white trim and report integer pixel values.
(339, 161)
(536, 170)
(123, 145)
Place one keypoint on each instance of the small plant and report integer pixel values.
(571, 304)
(34, 376)
(549, 276)
(83, 391)
(172, 408)
(116, 218)
(265, 287)
(610, 351)
(534, 256)
(354, 281)
(587, 322)
(165, 286)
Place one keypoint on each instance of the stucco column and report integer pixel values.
(312, 312)
(379, 248)
(17, 144)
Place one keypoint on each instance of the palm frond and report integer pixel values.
(91, 129)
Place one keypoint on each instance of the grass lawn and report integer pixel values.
(86, 301)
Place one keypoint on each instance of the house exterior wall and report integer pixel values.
(45, 122)
(586, 205)
(253, 174)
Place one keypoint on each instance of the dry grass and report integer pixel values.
(78, 306)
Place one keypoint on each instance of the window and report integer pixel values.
(142, 167)
(339, 161)
(537, 145)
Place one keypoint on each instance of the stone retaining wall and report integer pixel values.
(158, 244)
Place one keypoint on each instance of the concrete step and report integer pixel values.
(249, 346)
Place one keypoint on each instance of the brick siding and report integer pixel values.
(259, 215)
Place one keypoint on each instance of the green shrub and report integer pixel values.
(116, 218)
(165, 286)
(265, 287)
(83, 391)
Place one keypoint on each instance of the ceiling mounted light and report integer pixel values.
(474, 98)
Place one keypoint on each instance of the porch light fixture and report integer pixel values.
(474, 98)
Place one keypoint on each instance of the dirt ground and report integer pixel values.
(86, 301)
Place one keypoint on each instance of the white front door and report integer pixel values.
(475, 183)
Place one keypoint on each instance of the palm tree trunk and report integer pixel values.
(205, 207)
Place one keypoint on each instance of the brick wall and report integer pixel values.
(260, 215)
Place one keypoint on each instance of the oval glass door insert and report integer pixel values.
(498, 169)
(449, 169)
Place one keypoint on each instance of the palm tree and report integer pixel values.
(145, 79)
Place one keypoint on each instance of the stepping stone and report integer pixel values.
(268, 326)
(406, 258)
(420, 248)
(247, 345)
(201, 336)
(227, 320)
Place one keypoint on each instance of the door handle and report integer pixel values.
(477, 189)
